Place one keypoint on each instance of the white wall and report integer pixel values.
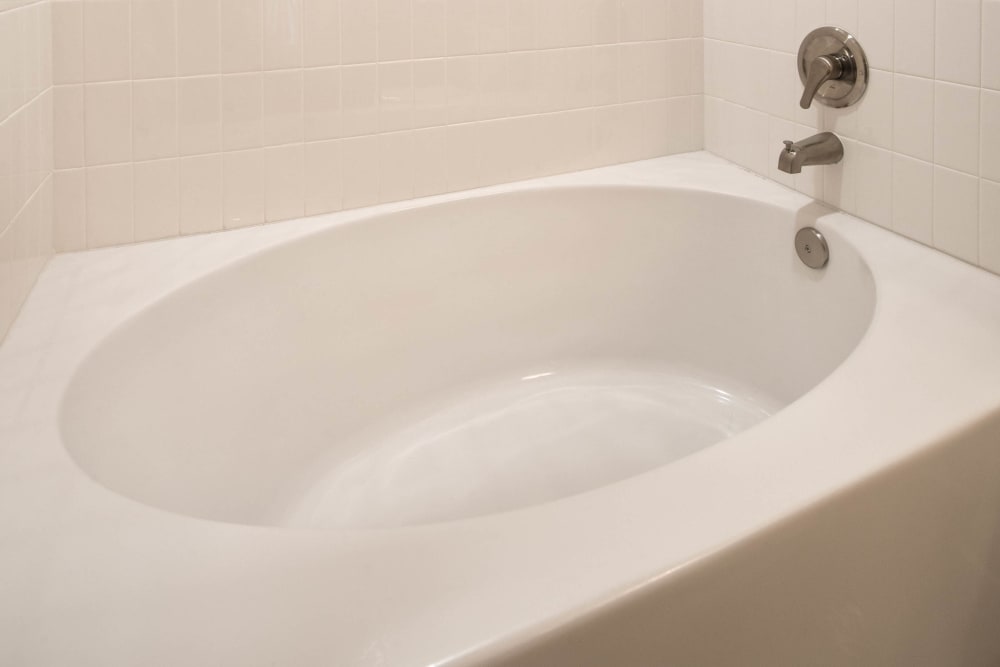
(184, 116)
(25, 150)
(923, 147)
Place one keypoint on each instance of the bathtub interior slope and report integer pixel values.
(902, 569)
(234, 397)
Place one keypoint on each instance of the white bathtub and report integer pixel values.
(603, 418)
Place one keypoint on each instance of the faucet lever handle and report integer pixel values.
(821, 70)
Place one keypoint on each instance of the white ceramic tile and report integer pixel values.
(430, 28)
(108, 122)
(70, 214)
(913, 116)
(430, 93)
(956, 214)
(106, 40)
(463, 89)
(281, 107)
(914, 37)
(395, 25)
(989, 226)
(68, 126)
(198, 37)
(154, 38)
(358, 31)
(321, 33)
(199, 121)
(241, 36)
(154, 123)
(874, 184)
(780, 23)
(241, 111)
(284, 190)
(359, 100)
(301, 71)
(322, 177)
(990, 135)
(360, 181)
(493, 20)
(200, 194)
(321, 94)
(522, 24)
(462, 27)
(430, 156)
(809, 15)
(494, 87)
(845, 14)
(956, 127)
(156, 193)
(282, 34)
(875, 111)
(463, 157)
(913, 199)
(243, 197)
(876, 31)
(67, 41)
(680, 20)
(991, 44)
(396, 166)
(395, 81)
(957, 47)
(109, 205)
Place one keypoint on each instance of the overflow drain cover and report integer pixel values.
(812, 248)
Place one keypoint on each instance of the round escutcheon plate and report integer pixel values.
(812, 248)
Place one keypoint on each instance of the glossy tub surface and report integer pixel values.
(857, 522)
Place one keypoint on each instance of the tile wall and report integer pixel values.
(184, 116)
(25, 150)
(923, 147)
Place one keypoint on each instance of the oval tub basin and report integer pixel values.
(464, 359)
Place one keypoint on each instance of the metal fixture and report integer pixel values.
(833, 68)
(822, 148)
(812, 248)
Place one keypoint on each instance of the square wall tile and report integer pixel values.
(198, 37)
(200, 194)
(108, 123)
(991, 44)
(154, 108)
(956, 127)
(70, 210)
(913, 199)
(68, 126)
(67, 41)
(915, 38)
(241, 36)
(156, 191)
(109, 206)
(282, 34)
(957, 47)
(284, 190)
(913, 116)
(989, 226)
(281, 108)
(321, 33)
(990, 135)
(956, 214)
(107, 40)
(154, 38)
(199, 120)
(322, 177)
(243, 197)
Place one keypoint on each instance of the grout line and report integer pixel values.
(28, 201)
